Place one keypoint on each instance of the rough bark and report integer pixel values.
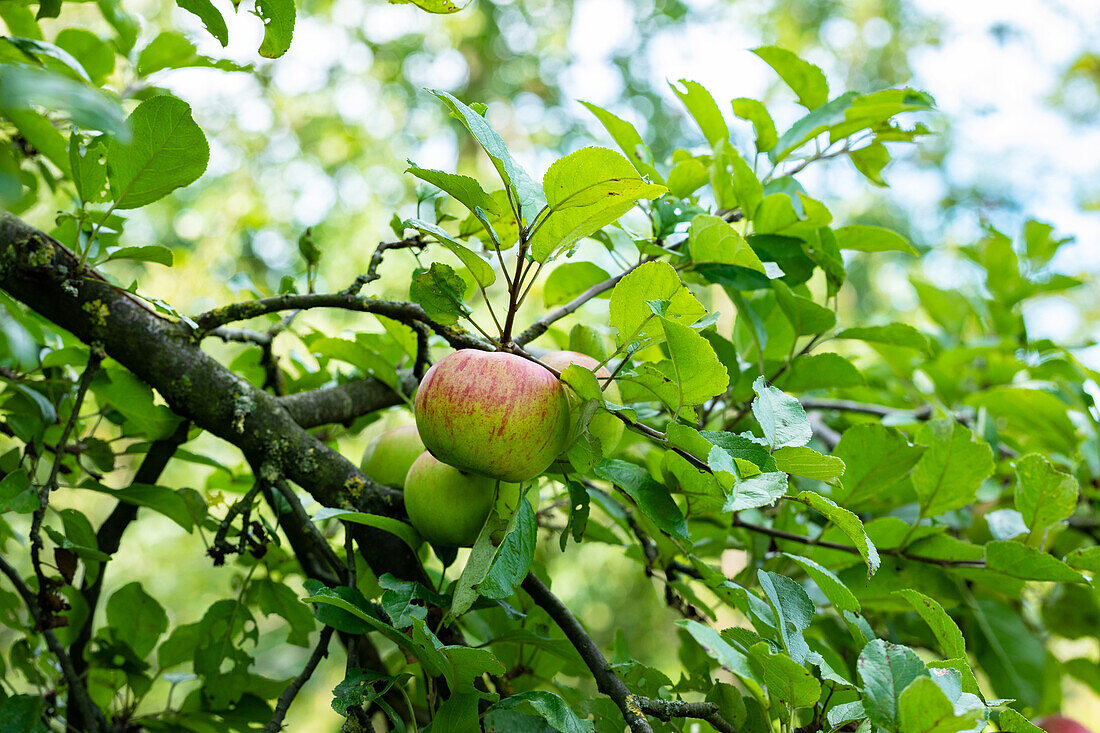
(43, 274)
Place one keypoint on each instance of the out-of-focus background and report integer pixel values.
(321, 136)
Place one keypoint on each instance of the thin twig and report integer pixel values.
(285, 699)
(898, 551)
(540, 326)
(95, 357)
(92, 715)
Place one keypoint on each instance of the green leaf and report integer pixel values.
(514, 557)
(467, 191)
(951, 470)
(846, 522)
(550, 707)
(134, 399)
(830, 586)
(17, 494)
(813, 124)
(943, 626)
(752, 492)
(585, 191)
(125, 25)
(1087, 558)
(439, 7)
(1011, 721)
(1020, 561)
(88, 165)
(894, 334)
(924, 708)
(22, 88)
(279, 599)
(788, 682)
(399, 529)
(278, 18)
(24, 713)
(686, 177)
(570, 279)
(807, 317)
(822, 371)
(1033, 418)
(211, 18)
(756, 113)
(733, 278)
(629, 141)
(1040, 243)
(172, 51)
(870, 161)
(429, 656)
(793, 609)
(886, 670)
(333, 611)
(712, 239)
(876, 458)
(719, 649)
(440, 292)
(481, 270)
(95, 55)
(804, 79)
(478, 563)
(735, 183)
(781, 416)
(168, 151)
(157, 253)
(699, 374)
(136, 618)
(529, 195)
(652, 498)
(808, 463)
(700, 104)
(863, 238)
(652, 281)
(161, 499)
(1044, 495)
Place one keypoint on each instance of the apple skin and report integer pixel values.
(448, 507)
(604, 425)
(388, 457)
(1060, 724)
(492, 413)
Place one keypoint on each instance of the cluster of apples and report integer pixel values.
(483, 420)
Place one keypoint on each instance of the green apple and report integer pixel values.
(493, 413)
(604, 425)
(448, 507)
(388, 457)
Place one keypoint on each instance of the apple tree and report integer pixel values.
(850, 520)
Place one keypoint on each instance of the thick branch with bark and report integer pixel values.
(344, 402)
(43, 274)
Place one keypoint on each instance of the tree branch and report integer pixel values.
(344, 402)
(919, 413)
(540, 326)
(668, 709)
(94, 359)
(802, 539)
(285, 699)
(38, 272)
(91, 714)
(396, 309)
(109, 537)
(607, 681)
